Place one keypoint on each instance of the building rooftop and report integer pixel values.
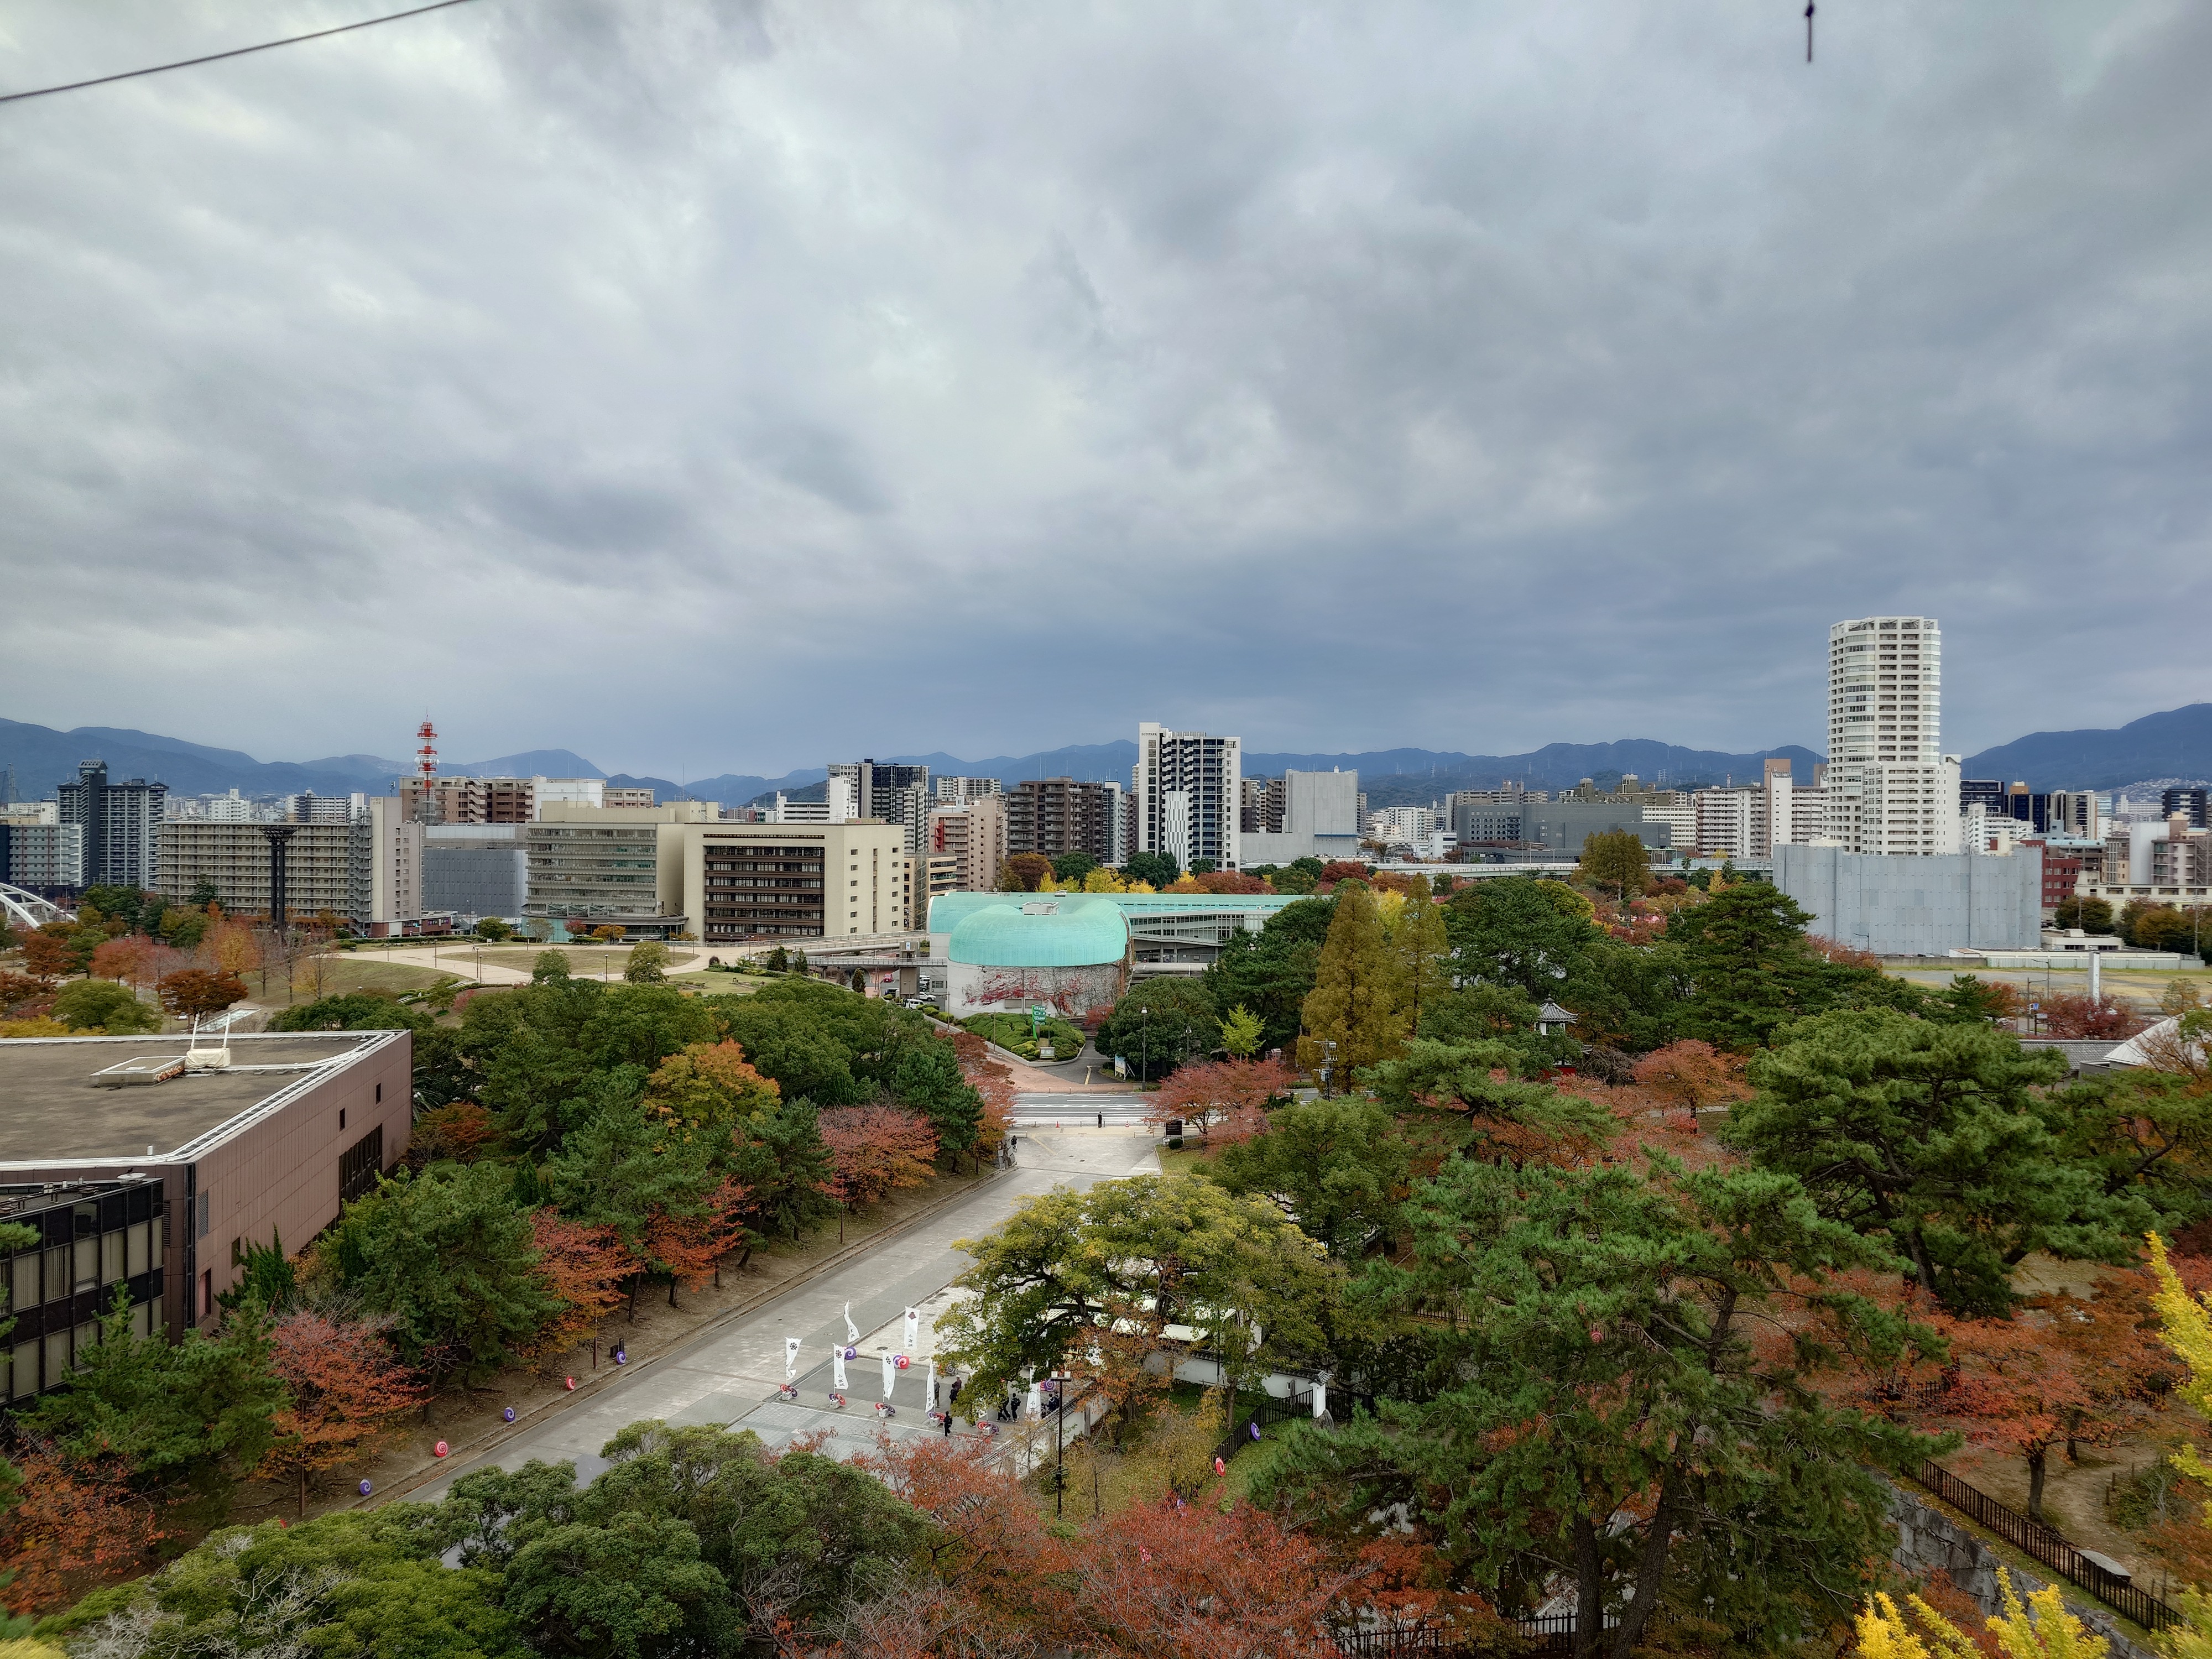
(54, 1112)
(948, 910)
(1041, 930)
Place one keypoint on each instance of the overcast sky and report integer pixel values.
(704, 386)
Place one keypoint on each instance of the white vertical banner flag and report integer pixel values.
(932, 1385)
(837, 1370)
(1320, 1398)
(852, 1331)
(913, 1331)
(1036, 1402)
(790, 1357)
(890, 1373)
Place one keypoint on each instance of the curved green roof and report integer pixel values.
(1080, 929)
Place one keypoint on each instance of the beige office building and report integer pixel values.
(678, 871)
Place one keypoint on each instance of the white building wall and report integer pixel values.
(1921, 904)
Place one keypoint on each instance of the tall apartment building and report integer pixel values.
(1890, 788)
(977, 836)
(1188, 789)
(39, 854)
(1053, 816)
(367, 870)
(1261, 813)
(122, 824)
(2190, 800)
(952, 792)
(509, 800)
(896, 792)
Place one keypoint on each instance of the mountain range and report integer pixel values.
(2174, 743)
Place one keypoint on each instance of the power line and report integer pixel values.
(237, 51)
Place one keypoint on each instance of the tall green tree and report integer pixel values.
(1273, 971)
(1616, 861)
(1148, 1252)
(1749, 969)
(1358, 1004)
(629, 1164)
(450, 1258)
(1509, 1117)
(1519, 931)
(1157, 870)
(1160, 1024)
(785, 1165)
(1422, 947)
(1612, 1416)
(197, 1413)
(926, 1077)
(1940, 1140)
(1339, 1165)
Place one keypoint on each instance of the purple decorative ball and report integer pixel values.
(364, 1489)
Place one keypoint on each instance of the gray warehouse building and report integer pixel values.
(1562, 826)
(1899, 906)
(475, 870)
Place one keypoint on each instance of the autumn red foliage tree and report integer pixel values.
(195, 991)
(71, 1525)
(585, 1269)
(2014, 1389)
(1692, 1075)
(1186, 1581)
(19, 988)
(1226, 1099)
(994, 1080)
(2072, 1014)
(126, 958)
(876, 1149)
(347, 1394)
(459, 1132)
(47, 958)
(688, 1246)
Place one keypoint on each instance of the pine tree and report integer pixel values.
(1357, 1001)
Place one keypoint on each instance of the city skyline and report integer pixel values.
(1549, 375)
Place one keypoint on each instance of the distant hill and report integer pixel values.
(2176, 744)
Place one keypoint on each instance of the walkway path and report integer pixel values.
(731, 1376)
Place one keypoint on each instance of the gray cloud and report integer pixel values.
(735, 385)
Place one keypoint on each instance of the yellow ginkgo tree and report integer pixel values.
(2044, 1629)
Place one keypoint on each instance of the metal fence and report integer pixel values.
(1551, 1633)
(2048, 1548)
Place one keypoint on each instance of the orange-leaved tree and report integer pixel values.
(194, 991)
(584, 1267)
(1692, 1075)
(1226, 1099)
(2011, 1386)
(47, 958)
(874, 1149)
(70, 1521)
(990, 1539)
(126, 958)
(1187, 1581)
(2073, 1014)
(992, 1079)
(688, 1244)
(347, 1394)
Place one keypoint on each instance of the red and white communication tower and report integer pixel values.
(426, 757)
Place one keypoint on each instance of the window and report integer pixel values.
(341, 1117)
(380, 1098)
(360, 1165)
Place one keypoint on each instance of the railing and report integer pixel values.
(1548, 1633)
(2047, 1546)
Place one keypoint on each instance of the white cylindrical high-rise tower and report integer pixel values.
(1890, 787)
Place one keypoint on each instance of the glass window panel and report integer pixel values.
(159, 1320)
(111, 1257)
(23, 1286)
(142, 1318)
(135, 1261)
(88, 1338)
(58, 1275)
(57, 1355)
(24, 1376)
(85, 1252)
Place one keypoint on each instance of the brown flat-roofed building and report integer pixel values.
(274, 1142)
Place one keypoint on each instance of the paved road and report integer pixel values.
(1080, 1110)
(732, 1376)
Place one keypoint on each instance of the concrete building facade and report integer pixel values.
(746, 881)
(1916, 904)
(609, 866)
(1319, 819)
(40, 855)
(274, 1143)
(476, 870)
(1561, 826)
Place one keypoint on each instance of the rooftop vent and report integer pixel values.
(146, 1068)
